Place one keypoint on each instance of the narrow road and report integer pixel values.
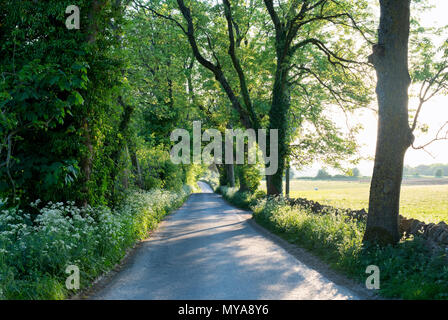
(207, 250)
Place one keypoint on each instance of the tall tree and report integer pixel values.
(390, 59)
(297, 27)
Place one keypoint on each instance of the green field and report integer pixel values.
(423, 199)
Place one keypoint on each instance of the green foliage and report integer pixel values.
(439, 173)
(410, 270)
(193, 172)
(159, 172)
(355, 172)
(34, 254)
(211, 177)
(157, 70)
(313, 78)
(223, 180)
(86, 116)
(248, 176)
(241, 199)
(58, 105)
(323, 174)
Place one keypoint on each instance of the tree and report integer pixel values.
(323, 174)
(439, 173)
(162, 73)
(390, 59)
(291, 40)
(222, 41)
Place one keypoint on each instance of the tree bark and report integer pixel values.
(123, 129)
(278, 120)
(390, 59)
(136, 164)
(243, 186)
(222, 170)
(87, 158)
(245, 118)
(284, 34)
(287, 181)
(230, 173)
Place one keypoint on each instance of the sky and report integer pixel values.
(434, 114)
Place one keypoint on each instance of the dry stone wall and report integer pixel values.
(436, 233)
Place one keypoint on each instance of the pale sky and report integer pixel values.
(434, 113)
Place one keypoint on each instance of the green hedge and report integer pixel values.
(241, 199)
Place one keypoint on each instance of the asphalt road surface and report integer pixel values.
(208, 250)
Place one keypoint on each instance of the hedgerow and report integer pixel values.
(409, 270)
(36, 249)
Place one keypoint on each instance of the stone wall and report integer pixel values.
(436, 233)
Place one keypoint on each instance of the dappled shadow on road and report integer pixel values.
(203, 253)
(195, 231)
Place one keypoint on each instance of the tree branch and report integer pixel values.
(423, 95)
(274, 16)
(236, 64)
(157, 14)
(216, 69)
(330, 54)
(437, 138)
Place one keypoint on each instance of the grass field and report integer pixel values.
(423, 199)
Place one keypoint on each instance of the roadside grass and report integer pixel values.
(428, 203)
(408, 270)
(242, 200)
(34, 253)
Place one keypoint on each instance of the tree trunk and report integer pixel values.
(287, 181)
(86, 161)
(222, 174)
(390, 58)
(87, 158)
(278, 120)
(135, 163)
(139, 173)
(226, 171)
(230, 174)
(126, 174)
(242, 178)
